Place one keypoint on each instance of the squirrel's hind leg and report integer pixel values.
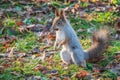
(65, 56)
(78, 57)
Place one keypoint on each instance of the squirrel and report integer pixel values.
(72, 51)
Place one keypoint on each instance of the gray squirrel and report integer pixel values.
(72, 51)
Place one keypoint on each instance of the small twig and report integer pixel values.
(11, 52)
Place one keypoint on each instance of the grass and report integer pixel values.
(26, 43)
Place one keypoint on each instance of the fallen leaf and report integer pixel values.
(73, 10)
(40, 68)
(19, 23)
(81, 74)
(89, 18)
(117, 57)
(66, 79)
(6, 65)
(44, 47)
(93, 1)
(84, 0)
(7, 45)
(96, 71)
(51, 36)
(76, 6)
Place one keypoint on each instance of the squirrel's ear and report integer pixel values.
(61, 13)
(56, 12)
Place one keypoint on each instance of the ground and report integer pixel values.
(26, 55)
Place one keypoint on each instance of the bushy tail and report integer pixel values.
(100, 39)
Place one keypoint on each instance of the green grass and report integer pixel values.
(27, 42)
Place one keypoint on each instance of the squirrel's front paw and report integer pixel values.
(83, 64)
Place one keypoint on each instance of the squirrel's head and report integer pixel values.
(59, 19)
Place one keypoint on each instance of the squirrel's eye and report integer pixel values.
(59, 23)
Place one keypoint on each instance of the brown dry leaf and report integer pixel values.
(117, 24)
(50, 60)
(110, 9)
(73, 10)
(84, 0)
(4, 42)
(19, 23)
(51, 36)
(5, 65)
(81, 74)
(40, 39)
(117, 57)
(100, 9)
(37, 55)
(96, 71)
(76, 6)
(89, 18)
(44, 47)
(93, 1)
(7, 45)
(40, 68)
(66, 79)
